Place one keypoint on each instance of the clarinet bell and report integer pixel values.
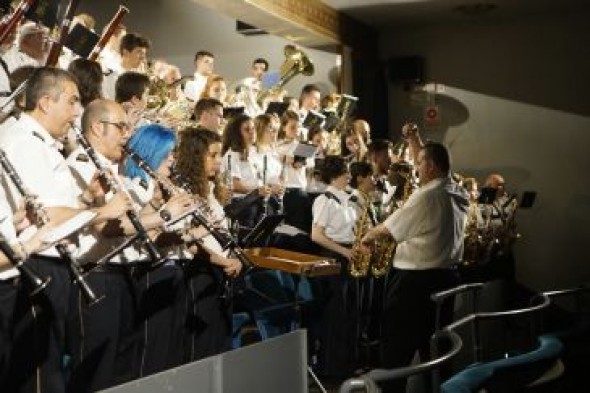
(89, 296)
(37, 283)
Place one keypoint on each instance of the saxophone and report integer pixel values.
(360, 262)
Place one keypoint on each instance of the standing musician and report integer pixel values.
(198, 162)
(32, 146)
(334, 216)
(428, 230)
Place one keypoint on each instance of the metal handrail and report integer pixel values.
(368, 381)
(440, 297)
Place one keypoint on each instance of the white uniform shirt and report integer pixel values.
(249, 172)
(35, 156)
(8, 233)
(274, 166)
(218, 217)
(429, 228)
(14, 59)
(194, 88)
(294, 177)
(337, 217)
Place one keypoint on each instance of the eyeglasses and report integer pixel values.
(122, 126)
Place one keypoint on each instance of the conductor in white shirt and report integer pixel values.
(428, 230)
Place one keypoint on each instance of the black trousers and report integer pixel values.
(338, 356)
(100, 337)
(39, 330)
(408, 316)
(8, 293)
(208, 328)
(160, 318)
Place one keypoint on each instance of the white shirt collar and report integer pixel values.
(36, 129)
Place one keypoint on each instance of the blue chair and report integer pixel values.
(269, 303)
(512, 374)
(238, 321)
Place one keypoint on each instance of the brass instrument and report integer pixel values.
(343, 112)
(360, 262)
(296, 62)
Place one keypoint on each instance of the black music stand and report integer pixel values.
(237, 206)
(262, 231)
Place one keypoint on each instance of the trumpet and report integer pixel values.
(41, 218)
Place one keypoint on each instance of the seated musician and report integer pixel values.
(208, 331)
(204, 64)
(215, 88)
(133, 48)
(240, 163)
(353, 146)
(265, 155)
(334, 216)
(209, 114)
(131, 91)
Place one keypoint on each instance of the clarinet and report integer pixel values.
(199, 217)
(41, 218)
(115, 185)
(199, 214)
(17, 258)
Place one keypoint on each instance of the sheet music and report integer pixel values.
(68, 227)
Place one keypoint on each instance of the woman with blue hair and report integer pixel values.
(162, 295)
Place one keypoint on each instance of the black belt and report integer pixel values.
(108, 268)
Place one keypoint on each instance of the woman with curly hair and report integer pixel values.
(198, 163)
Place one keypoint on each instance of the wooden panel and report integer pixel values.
(292, 262)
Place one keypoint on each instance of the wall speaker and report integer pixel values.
(406, 69)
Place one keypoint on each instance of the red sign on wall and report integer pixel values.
(432, 116)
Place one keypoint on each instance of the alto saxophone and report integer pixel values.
(360, 262)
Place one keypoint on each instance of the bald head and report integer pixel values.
(99, 110)
(494, 180)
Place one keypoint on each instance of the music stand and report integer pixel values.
(237, 206)
(262, 230)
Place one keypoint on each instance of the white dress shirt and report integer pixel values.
(194, 88)
(337, 217)
(274, 166)
(294, 177)
(35, 156)
(249, 171)
(429, 228)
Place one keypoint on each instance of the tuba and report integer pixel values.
(343, 122)
(296, 62)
